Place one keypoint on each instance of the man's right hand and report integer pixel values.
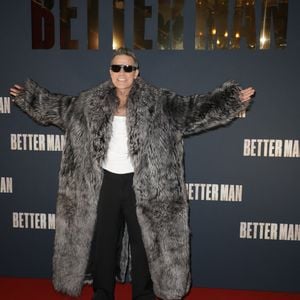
(16, 90)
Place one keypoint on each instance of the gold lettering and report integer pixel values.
(66, 14)
(276, 11)
(244, 24)
(170, 24)
(211, 25)
(213, 28)
(141, 12)
(42, 24)
(118, 24)
(93, 24)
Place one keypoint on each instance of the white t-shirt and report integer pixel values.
(117, 157)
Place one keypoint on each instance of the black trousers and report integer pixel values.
(116, 206)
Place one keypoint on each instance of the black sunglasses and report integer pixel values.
(125, 68)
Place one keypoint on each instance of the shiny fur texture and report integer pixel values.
(157, 121)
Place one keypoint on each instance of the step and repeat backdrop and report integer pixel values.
(242, 180)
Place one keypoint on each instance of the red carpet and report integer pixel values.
(41, 289)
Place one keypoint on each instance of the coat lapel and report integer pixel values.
(140, 115)
(101, 105)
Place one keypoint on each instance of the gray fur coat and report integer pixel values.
(157, 121)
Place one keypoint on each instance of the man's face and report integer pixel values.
(123, 80)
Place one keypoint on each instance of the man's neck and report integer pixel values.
(122, 96)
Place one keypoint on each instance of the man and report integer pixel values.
(123, 163)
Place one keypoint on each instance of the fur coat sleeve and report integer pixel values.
(193, 114)
(44, 107)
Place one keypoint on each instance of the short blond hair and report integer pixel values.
(128, 52)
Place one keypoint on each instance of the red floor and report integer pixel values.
(41, 289)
